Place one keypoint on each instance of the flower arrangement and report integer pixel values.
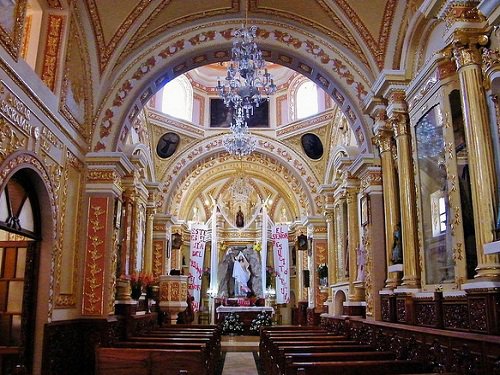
(138, 282)
(322, 270)
(262, 320)
(257, 246)
(232, 325)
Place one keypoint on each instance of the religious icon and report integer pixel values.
(302, 242)
(312, 146)
(240, 221)
(397, 255)
(167, 145)
(176, 241)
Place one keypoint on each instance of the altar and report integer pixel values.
(245, 313)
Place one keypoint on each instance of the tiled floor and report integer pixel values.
(239, 355)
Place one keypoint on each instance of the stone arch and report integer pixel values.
(210, 152)
(34, 169)
(347, 82)
(141, 152)
(340, 153)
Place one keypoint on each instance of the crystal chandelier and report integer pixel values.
(239, 142)
(247, 79)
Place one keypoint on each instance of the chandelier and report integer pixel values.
(246, 84)
(247, 79)
(239, 142)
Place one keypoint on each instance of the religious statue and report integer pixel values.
(240, 221)
(397, 255)
(241, 275)
(360, 257)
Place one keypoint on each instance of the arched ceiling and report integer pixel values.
(138, 46)
(362, 27)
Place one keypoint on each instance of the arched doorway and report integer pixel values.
(339, 300)
(20, 235)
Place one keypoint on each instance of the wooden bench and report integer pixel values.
(269, 350)
(138, 361)
(382, 367)
(289, 358)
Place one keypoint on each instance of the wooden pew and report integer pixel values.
(136, 361)
(213, 350)
(342, 356)
(269, 350)
(382, 367)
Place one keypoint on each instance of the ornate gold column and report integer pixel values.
(399, 120)
(383, 139)
(161, 238)
(329, 213)
(332, 253)
(353, 235)
(153, 190)
(342, 250)
(311, 255)
(478, 138)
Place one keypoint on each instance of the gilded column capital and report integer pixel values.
(383, 139)
(465, 47)
(399, 124)
(329, 216)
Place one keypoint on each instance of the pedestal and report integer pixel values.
(173, 295)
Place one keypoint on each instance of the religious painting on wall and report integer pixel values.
(220, 115)
(302, 242)
(176, 241)
(312, 146)
(167, 145)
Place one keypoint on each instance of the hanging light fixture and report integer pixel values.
(245, 87)
(247, 83)
(239, 142)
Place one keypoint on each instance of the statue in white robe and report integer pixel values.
(241, 275)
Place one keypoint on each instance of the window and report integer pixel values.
(177, 99)
(307, 100)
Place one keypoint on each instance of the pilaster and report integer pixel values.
(102, 192)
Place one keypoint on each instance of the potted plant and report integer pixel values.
(135, 286)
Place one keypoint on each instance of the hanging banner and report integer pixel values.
(279, 235)
(197, 253)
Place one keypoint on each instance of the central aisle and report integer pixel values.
(239, 352)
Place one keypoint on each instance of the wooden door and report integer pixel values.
(18, 262)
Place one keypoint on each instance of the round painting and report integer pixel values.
(167, 145)
(312, 146)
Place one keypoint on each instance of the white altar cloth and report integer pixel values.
(242, 309)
